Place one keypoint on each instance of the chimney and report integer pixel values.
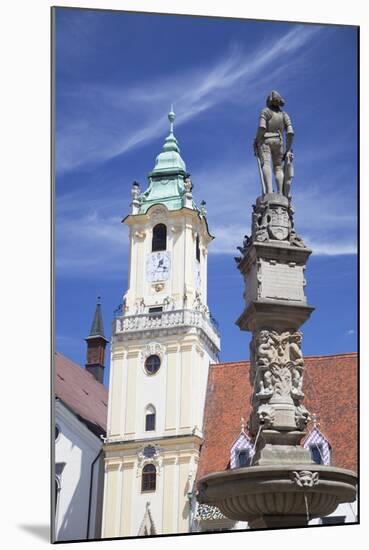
(96, 344)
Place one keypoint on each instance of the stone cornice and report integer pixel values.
(166, 441)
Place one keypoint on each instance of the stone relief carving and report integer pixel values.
(271, 346)
(154, 348)
(169, 303)
(295, 240)
(277, 374)
(154, 457)
(305, 478)
(135, 190)
(158, 287)
(140, 306)
(302, 417)
(297, 379)
(199, 306)
(157, 213)
(266, 388)
(281, 380)
(279, 223)
(187, 184)
(266, 415)
(272, 219)
(139, 234)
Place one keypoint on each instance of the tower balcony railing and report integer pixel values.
(168, 319)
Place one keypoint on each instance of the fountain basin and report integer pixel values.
(278, 496)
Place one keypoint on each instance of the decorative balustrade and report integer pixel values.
(168, 319)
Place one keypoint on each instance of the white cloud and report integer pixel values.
(324, 215)
(100, 122)
(91, 245)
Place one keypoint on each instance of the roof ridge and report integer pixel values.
(243, 361)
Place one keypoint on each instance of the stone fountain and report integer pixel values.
(283, 487)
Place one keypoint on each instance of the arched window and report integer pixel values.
(150, 418)
(159, 237)
(148, 478)
(197, 248)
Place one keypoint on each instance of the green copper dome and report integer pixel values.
(169, 160)
(166, 181)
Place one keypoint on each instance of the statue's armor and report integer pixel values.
(274, 123)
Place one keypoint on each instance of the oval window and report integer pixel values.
(152, 364)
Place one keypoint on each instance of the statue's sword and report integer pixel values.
(256, 152)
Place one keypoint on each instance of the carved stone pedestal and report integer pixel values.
(275, 307)
(283, 487)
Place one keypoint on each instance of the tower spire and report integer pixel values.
(97, 327)
(96, 344)
(169, 161)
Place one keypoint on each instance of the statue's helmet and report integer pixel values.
(273, 98)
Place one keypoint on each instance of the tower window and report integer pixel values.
(148, 482)
(197, 248)
(159, 237)
(152, 364)
(150, 419)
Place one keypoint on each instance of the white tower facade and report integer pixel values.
(162, 346)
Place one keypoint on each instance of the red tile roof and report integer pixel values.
(82, 393)
(330, 386)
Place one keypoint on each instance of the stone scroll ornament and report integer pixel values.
(277, 375)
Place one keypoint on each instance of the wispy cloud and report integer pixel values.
(92, 245)
(325, 215)
(102, 121)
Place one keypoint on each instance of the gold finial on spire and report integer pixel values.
(171, 116)
(242, 424)
(314, 418)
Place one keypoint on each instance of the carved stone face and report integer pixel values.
(296, 337)
(306, 478)
(263, 337)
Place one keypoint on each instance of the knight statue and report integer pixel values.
(274, 129)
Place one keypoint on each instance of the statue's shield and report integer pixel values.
(279, 225)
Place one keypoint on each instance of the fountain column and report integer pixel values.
(273, 265)
(283, 487)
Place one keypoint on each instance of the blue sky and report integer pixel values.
(117, 74)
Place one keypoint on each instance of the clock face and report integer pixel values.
(158, 266)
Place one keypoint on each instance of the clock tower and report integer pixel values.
(162, 346)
